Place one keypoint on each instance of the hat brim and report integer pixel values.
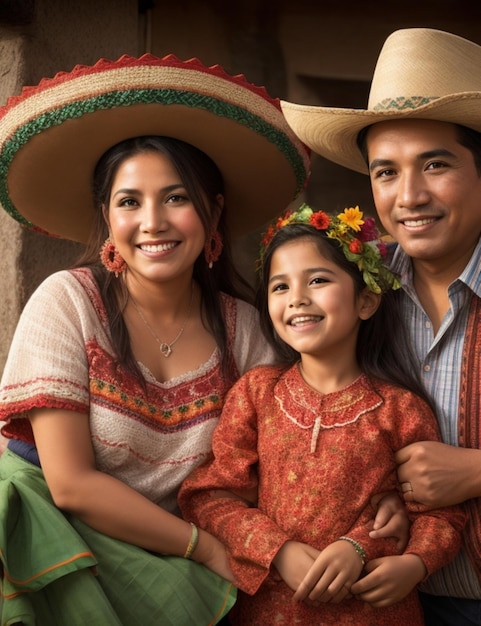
(332, 132)
(48, 156)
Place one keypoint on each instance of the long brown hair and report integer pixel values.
(203, 182)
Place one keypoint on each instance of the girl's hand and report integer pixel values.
(330, 578)
(212, 553)
(389, 579)
(391, 519)
(293, 561)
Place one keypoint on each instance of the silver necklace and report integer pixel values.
(165, 348)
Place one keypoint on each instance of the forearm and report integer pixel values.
(467, 466)
(117, 510)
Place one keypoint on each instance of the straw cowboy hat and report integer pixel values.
(52, 135)
(421, 73)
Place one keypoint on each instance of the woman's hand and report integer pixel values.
(212, 553)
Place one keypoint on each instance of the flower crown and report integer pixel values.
(359, 239)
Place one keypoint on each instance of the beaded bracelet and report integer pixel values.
(357, 547)
(192, 545)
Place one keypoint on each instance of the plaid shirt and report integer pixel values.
(439, 358)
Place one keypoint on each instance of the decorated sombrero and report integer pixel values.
(53, 134)
(421, 73)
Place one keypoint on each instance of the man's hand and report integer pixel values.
(437, 475)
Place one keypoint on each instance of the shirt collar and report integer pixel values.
(401, 264)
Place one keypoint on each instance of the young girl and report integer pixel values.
(300, 449)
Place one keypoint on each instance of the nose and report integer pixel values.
(298, 299)
(154, 218)
(412, 190)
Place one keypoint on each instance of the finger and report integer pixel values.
(381, 518)
(305, 588)
(344, 594)
(376, 499)
(402, 455)
(407, 486)
(335, 590)
(407, 491)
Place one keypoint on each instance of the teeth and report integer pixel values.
(305, 319)
(158, 248)
(418, 222)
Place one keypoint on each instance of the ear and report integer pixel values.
(368, 303)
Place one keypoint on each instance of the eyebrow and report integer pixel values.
(429, 154)
(169, 188)
(309, 270)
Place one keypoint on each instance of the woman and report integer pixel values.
(118, 368)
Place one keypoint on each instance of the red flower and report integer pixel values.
(355, 246)
(319, 220)
(382, 247)
(369, 230)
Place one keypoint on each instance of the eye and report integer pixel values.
(384, 173)
(177, 198)
(318, 280)
(128, 202)
(279, 287)
(435, 165)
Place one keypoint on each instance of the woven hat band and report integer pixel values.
(421, 73)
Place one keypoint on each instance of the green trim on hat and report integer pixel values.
(132, 97)
(403, 103)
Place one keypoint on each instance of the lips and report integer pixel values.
(161, 247)
(301, 320)
(418, 222)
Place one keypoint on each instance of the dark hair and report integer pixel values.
(382, 349)
(467, 137)
(203, 182)
(471, 139)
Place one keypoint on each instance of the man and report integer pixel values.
(420, 142)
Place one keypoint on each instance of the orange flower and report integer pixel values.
(352, 218)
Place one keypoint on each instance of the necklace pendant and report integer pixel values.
(165, 349)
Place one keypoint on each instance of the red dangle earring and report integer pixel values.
(213, 248)
(111, 259)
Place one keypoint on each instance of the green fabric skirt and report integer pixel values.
(57, 571)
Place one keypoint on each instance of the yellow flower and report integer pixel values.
(352, 218)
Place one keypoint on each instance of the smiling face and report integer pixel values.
(427, 190)
(152, 221)
(313, 303)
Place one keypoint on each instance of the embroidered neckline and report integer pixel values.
(293, 389)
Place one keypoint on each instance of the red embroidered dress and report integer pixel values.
(312, 463)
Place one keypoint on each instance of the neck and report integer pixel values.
(329, 376)
(168, 300)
